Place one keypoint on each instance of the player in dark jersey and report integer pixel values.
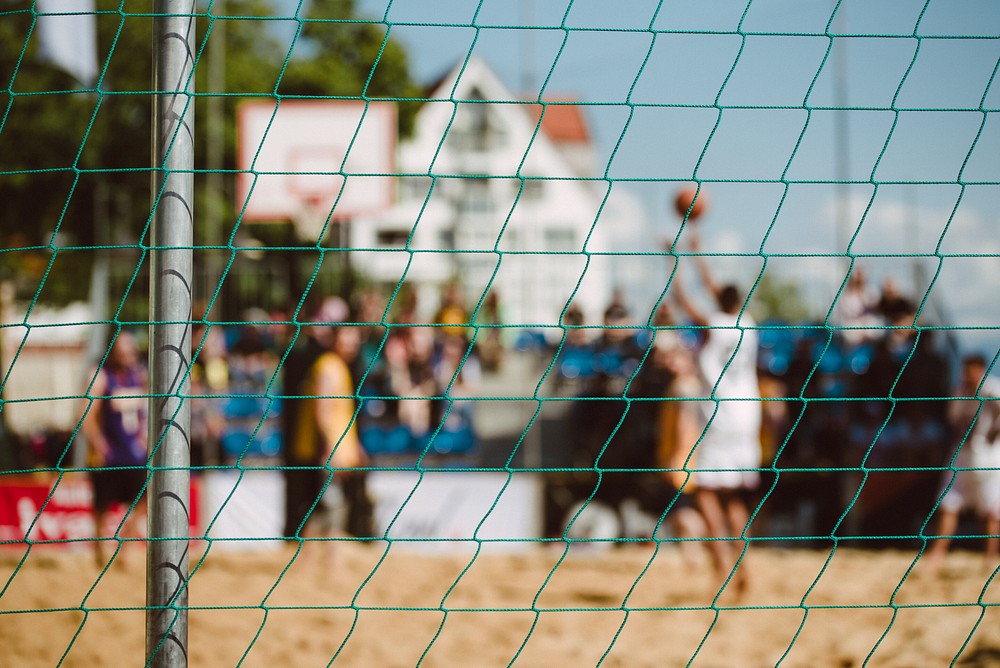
(115, 428)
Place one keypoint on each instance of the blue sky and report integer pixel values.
(609, 58)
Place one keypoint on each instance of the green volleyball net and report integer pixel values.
(520, 332)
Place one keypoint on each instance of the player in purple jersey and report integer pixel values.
(115, 428)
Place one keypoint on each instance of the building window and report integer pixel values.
(447, 238)
(414, 187)
(560, 239)
(392, 237)
(474, 129)
(533, 189)
(475, 196)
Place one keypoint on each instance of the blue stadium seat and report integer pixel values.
(380, 440)
(236, 441)
(859, 358)
(530, 339)
(242, 407)
(458, 441)
(576, 363)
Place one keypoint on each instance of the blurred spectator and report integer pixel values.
(380, 428)
(115, 427)
(596, 416)
(326, 438)
(649, 384)
(905, 364)
(213, 355)
(975, 418)
(452, 312)
(680, 424)
(312, 341)
(209, 377)
(413, 381)
(617, 353)
(489, 341)
(251, 360)
(575, 363)
(573, 319)
(457, 375)
(370, 310)
(405, 311)
(893, 306)
(857, 308)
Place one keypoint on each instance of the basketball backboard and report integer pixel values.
(293, 156)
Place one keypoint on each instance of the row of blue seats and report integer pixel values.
(397, 440)
(776, 351)
(240, 441)
(243, 415)
(833, 359)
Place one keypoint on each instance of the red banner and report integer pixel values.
(55, 511)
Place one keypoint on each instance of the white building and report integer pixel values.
(489, 200)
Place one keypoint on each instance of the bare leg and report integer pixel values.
(688, 523)
(992, 542)
(738, 516)
(318, 548)
(131, 529)
(711, 509)
(946, 527)
(99, 539)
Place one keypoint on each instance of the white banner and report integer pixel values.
(440, 512)
(246, 511)
(67, 35)
(449, 509)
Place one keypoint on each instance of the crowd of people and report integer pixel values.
(342, 387)
(401, 371)
(705, 419)
(848, 430)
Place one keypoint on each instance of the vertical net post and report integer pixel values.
(170, 334)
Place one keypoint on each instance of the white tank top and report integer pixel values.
(739, 378)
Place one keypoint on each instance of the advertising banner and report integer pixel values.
(50, 510)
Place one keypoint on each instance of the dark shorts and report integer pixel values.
(114, 485)
(343, 504)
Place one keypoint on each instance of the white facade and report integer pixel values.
(485, 199)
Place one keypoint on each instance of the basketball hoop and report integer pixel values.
(291, 151)
(311, 220)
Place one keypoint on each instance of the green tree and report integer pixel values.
(777, 299)
(70, 159)
(350, 59)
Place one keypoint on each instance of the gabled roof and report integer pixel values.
(564, 119)
(563, 122)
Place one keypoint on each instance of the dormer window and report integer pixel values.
(476, 196)
(534, 188)
(474, 128)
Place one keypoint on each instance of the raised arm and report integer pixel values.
(684, 301)
(702, 265)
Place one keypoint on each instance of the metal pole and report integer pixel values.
(215, 111)
(170, 334)
(841, 133)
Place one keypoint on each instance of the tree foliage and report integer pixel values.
(71, 158)
(341, 50)
(779, 299)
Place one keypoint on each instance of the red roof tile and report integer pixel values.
(563, 122)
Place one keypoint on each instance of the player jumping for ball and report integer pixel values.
(726, 459)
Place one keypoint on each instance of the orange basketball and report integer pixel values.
(684, 199)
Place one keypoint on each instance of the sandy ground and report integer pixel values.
(634, 605)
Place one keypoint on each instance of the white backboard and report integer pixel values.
(293, 156)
